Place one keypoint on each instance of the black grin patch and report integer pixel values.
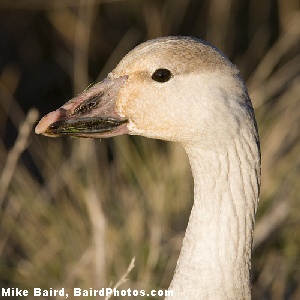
(84, 126)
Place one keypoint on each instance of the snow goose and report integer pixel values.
(185, 90)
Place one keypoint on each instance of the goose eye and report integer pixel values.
(161, 75)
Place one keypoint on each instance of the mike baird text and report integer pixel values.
(16, 292)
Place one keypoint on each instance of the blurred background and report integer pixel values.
(74, 212)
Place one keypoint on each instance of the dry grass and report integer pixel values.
(74, 212)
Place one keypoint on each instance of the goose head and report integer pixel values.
(172, 88)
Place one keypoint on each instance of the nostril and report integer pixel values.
(88, 105)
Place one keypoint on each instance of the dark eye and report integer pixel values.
(161, 75)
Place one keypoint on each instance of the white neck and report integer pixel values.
(214, 262)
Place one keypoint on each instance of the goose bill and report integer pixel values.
(90, 114)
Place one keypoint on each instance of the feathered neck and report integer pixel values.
(214, 262)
